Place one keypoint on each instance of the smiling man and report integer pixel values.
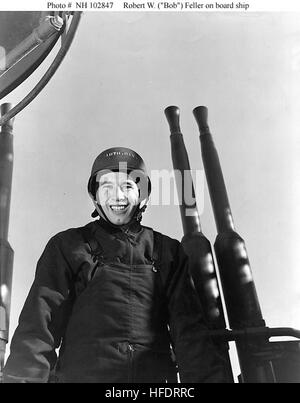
(115, 298)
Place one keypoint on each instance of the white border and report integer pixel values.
(157, 5)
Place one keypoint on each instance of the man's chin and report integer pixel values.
(118, 220)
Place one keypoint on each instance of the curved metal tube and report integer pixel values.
(49, 73)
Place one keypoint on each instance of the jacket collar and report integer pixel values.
(132, 227)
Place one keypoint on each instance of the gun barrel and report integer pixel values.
(6, 169)
(238, 286)
(184, 182)
(213, 171)
(195, 244)
(6, 252)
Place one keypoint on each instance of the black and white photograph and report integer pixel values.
(149, 194)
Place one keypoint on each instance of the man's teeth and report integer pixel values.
(118, 208)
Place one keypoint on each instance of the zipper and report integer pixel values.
(130, 237)
(130, 347)
(130, 350)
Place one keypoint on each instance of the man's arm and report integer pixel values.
(41, 323)
(197, 357)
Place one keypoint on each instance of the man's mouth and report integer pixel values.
(118, 207)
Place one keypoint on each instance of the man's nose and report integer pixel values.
(118, 194)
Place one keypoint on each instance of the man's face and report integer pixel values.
(118, 196)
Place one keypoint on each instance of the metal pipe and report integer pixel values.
(6, 252)
(6, 169)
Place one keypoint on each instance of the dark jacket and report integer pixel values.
(113, 316)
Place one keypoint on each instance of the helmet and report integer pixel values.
(119, 159)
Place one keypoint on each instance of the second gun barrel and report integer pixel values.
(213, 171)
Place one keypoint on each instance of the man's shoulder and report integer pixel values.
(71, 235)
(168, 241)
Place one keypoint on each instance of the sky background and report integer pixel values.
(122, 71)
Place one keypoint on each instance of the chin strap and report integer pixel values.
(139, 213)
(95, 213)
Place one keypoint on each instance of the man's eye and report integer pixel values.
(105, 187)
(128, 186)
